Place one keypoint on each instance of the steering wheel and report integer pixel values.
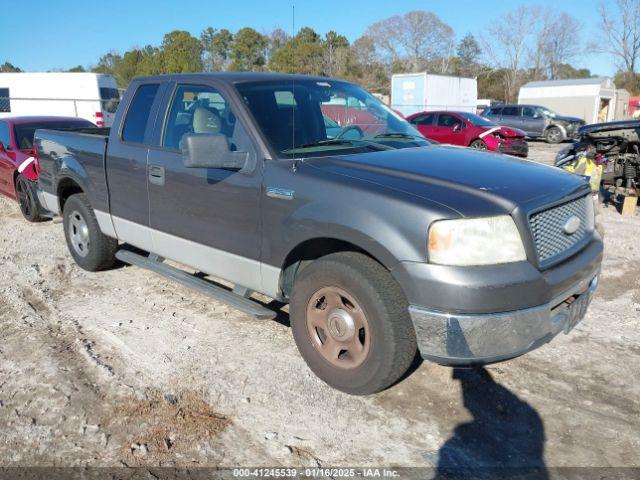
(350, 128)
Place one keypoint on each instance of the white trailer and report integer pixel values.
(419, 92)
(91, 96)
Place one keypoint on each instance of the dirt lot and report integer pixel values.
(126, 368)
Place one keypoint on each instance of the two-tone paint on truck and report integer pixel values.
(382, 244)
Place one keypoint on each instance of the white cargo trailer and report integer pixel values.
(419, 92)
(91, 96)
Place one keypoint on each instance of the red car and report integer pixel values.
(470, 130)
(18, 167)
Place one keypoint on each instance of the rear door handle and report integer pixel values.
(156, 175)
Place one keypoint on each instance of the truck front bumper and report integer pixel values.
(484, 314)
(468, 339)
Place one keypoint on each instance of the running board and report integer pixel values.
(232, 299)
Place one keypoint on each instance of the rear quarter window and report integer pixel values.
(137, 119)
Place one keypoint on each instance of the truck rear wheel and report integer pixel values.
(90, 248)
(351, 323)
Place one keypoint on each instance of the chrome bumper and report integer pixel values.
(468, 339)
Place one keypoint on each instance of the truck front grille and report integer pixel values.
(552, 241)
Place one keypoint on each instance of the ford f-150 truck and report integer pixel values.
(382, 244)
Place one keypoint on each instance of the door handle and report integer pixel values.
(156, 175)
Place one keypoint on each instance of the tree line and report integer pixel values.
(527, 43)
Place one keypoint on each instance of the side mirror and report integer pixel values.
(211, 150)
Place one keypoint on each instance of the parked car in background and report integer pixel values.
(381, 243)
(18, 167)
(536, 121)
(470, 130)
(91, 96)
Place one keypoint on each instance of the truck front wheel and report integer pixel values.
(351, 323)
(90, 248)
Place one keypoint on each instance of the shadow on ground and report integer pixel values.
(505, 439)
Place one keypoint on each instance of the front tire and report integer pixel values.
(478, 144)
(27, 200)
(553, 135)
(351, 323)
(90, 248)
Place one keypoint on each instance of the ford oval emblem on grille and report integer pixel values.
(572, 225)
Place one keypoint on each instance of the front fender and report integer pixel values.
(379, 233)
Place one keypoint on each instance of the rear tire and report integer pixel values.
(90, 248)
(363, 355)
(27, 200)
(478, 144)
(553, 135)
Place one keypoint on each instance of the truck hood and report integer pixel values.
(471, 182)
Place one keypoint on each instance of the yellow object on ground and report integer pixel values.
(629, 206)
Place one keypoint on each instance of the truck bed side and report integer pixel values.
(71, 161)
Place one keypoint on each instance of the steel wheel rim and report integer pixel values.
(24, 199)
(79, 233)
(338, 327)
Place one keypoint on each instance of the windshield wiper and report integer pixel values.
(398, 135)
(335, 141)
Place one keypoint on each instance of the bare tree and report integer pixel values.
(418, 36)
(506, 44)
(620, 26)
(562, 43)
(537, 53)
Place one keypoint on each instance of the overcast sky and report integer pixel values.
(41, 35)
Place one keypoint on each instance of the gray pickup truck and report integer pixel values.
(311, 192)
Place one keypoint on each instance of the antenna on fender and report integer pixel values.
(294, 165)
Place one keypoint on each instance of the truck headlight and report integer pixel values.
(475, 241)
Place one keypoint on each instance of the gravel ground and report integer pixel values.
(126, 368)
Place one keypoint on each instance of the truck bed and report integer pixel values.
(81, 151)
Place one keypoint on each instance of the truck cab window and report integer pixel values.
(197, 109)
(137, 119)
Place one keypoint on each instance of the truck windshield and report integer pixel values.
(305, 118)
(24, 131)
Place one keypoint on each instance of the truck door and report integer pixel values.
(127, 151)
(206, 218)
